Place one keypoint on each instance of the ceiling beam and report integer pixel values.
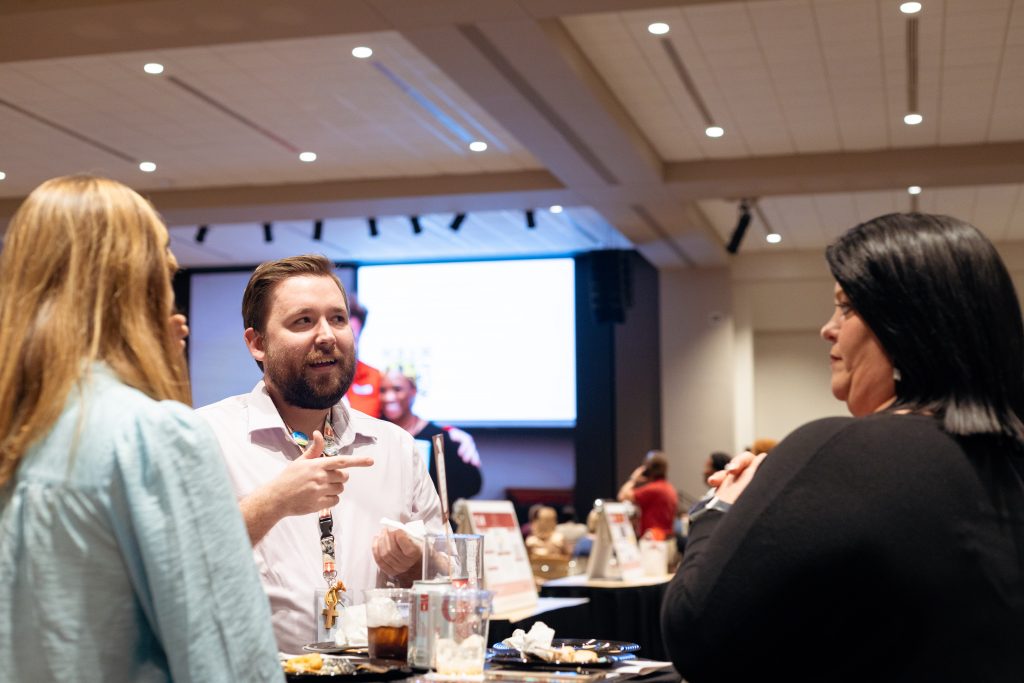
(352, 198)
(942, 166)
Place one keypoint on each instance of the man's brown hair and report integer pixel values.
(258, 293)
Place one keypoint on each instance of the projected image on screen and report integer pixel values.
(492, 343)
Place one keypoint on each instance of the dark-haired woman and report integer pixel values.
(890, 545)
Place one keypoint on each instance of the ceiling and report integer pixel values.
(579, 104)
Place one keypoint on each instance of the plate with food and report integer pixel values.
(318, 668)
(329, 647)
(567, 652)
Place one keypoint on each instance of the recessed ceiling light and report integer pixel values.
(147, 167)
(773, 238)
(714, 131)
(555, 208)
(362, 52)
(478, 145)
(307, 156)
(913, 119)
(910, 7)
(658, 28)
(153, 68)
(914, 189)
(2, 175)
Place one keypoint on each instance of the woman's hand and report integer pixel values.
(732, 481)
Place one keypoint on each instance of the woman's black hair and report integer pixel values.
(935, 292)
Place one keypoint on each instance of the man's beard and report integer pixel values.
(324, 391)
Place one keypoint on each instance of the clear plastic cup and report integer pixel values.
(461, 647)
(458, 558)
(387, 622)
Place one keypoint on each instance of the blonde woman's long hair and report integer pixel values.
(85, 275)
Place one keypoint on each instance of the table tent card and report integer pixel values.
(614, 538)
(507, 569)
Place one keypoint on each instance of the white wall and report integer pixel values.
(741, 356)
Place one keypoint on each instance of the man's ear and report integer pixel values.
(254, 340)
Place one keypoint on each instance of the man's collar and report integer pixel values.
(263, 416)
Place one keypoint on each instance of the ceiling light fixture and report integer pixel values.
(153, 68)
(771, 235)
(913, 116)
(910, 7)
(318, 230)
(307, 156)
(2, 175)
(362, 52)
(658, 28)
(555, 208)
(531, 220)
(478, 146)
(741, 228)
(416, 227)
(268, 235)
(714, 131)
(773, 238)
(372, 222)
(457, 221)
(201, 233)
(147, 166)
(914, 189)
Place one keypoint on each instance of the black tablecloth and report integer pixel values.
(622, 613)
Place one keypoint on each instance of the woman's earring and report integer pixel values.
(896, 375)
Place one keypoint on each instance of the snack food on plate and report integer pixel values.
(303, 663)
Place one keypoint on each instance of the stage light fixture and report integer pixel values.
(416, 227)
(372, 222)
(268, 235)
(531, 220)
(457, 221)
(318, 230)
(201, 233)
(741, 228)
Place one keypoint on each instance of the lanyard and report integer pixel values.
(326, 519)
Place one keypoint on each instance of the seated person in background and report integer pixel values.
(898, 530)
(545, 540)
(295, 313)
(364, 394)
(122, 552)
(762, 445)
(461, 462)
(656, 498)
(716, 462)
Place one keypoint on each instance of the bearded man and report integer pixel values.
(306, 534)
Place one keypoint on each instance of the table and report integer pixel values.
(617, 610)
(564, 614)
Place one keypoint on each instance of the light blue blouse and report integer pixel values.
(123, 555)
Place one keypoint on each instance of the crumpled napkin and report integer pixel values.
(351, 629)
(536, 642)
(416, 528)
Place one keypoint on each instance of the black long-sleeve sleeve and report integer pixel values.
(864, 549)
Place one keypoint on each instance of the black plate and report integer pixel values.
(329, 647)
(600, 646)
(609, 653)
(394, 671)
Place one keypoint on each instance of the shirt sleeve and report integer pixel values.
(189, 557)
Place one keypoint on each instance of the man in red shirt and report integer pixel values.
(655, 497)
(364, 393)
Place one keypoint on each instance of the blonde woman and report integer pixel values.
(122, 552)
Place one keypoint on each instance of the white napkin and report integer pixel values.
(351, 629)
(416, 528)
(537, 641)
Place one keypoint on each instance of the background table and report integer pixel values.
(617, 610)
